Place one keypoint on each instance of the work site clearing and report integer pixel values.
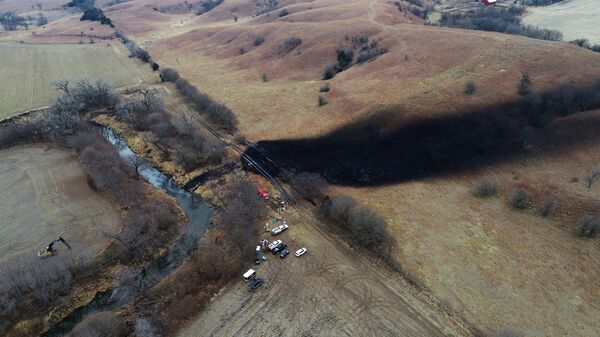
(299, 168)
(45, 194)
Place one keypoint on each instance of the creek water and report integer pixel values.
(198, 221)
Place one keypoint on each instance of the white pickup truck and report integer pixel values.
(274, 244)
(279, 229)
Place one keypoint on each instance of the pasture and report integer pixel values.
(25, 84)
(576, 19)
(46, 195)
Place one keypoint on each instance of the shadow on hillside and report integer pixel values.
(362, 154)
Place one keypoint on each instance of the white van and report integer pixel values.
(250, 274)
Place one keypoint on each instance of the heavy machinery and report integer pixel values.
(50, 251)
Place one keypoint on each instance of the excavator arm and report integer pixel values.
(50, 251)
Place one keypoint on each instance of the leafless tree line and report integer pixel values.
(145, 112)
(362, 225)
(217, 113)
(36, 287)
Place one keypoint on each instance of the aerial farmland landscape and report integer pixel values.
(300, 168)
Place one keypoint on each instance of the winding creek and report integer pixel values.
(198, 221)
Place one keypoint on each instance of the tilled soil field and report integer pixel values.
(45, 194)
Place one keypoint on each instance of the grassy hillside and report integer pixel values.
(496, 265)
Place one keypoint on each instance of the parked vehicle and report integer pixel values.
(263, 194)
(279, 229)
(300, 252)
(249, 275)
(279, 248)
(284, 253)
(255, 284)
(274, 244)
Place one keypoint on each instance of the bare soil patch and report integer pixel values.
(46, 195)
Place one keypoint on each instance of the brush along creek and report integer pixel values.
(198, 221)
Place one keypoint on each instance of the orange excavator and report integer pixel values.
(50, 251)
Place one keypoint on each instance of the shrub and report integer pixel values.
(469, 88)
(135, 51)
(364, 226)
(207, 6)
(592, 176)
(264, 78)
(485, 188)
(259, 40)
(324, 88)
(345, 58)
(222, 116)
(321, 101)
(41, 20)
(588, 226)
(197, 151)
(95, 14)
(265, 6)
(525, 83)
(11, 21)
(520, 198)
(547, 208)
(288, 45)
(370, 54)
(82, 4)
(583, 43)
(329, 73)
(284, 12)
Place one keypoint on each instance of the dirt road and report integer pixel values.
(574, 18)
(331, 291)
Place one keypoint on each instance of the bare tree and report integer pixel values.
(265, 6)
(61, 84)
(243, 210)
(520, 198)
(588, 226)
(525, 83)
(485, 187)
(592, 176)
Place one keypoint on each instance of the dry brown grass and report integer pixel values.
(495, 266)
